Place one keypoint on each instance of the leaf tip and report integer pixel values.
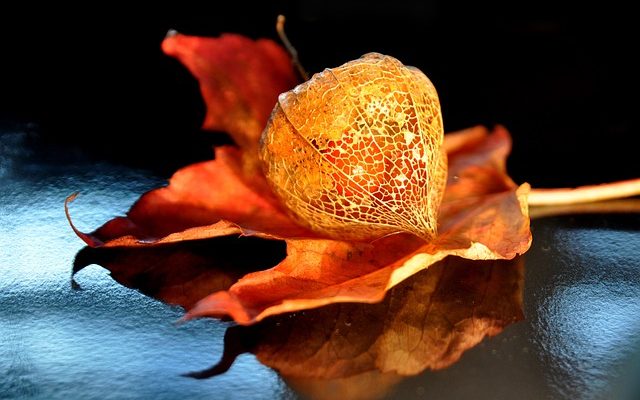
(88, 239)
(170, 43)
(218, 305)
(75, 286)
(171, 33)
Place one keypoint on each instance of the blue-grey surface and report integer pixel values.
(106, 341)
(579, 338)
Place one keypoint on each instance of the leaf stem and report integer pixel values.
(292, 50)
(584, 194)
(626, 206)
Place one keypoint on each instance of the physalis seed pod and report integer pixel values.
(355, 153)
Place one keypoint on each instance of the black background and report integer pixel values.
(561, 77)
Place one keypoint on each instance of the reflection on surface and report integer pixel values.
(587, 304)
(426, 322)
(367, 385)
(357, 350)
(183, 273)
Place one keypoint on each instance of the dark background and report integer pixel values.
(561, 78)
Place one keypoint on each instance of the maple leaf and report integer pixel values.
(483, 213)
(240, 80)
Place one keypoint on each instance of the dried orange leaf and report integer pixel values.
(477, 222)
(217, 198)
(355, 152)
(208, 199)
(240, 80)
(483, 214)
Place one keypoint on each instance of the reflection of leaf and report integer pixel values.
(366, 386)
(427, 322)
(182, 273)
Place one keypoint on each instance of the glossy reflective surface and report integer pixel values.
(105, 341)
(579, 339)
